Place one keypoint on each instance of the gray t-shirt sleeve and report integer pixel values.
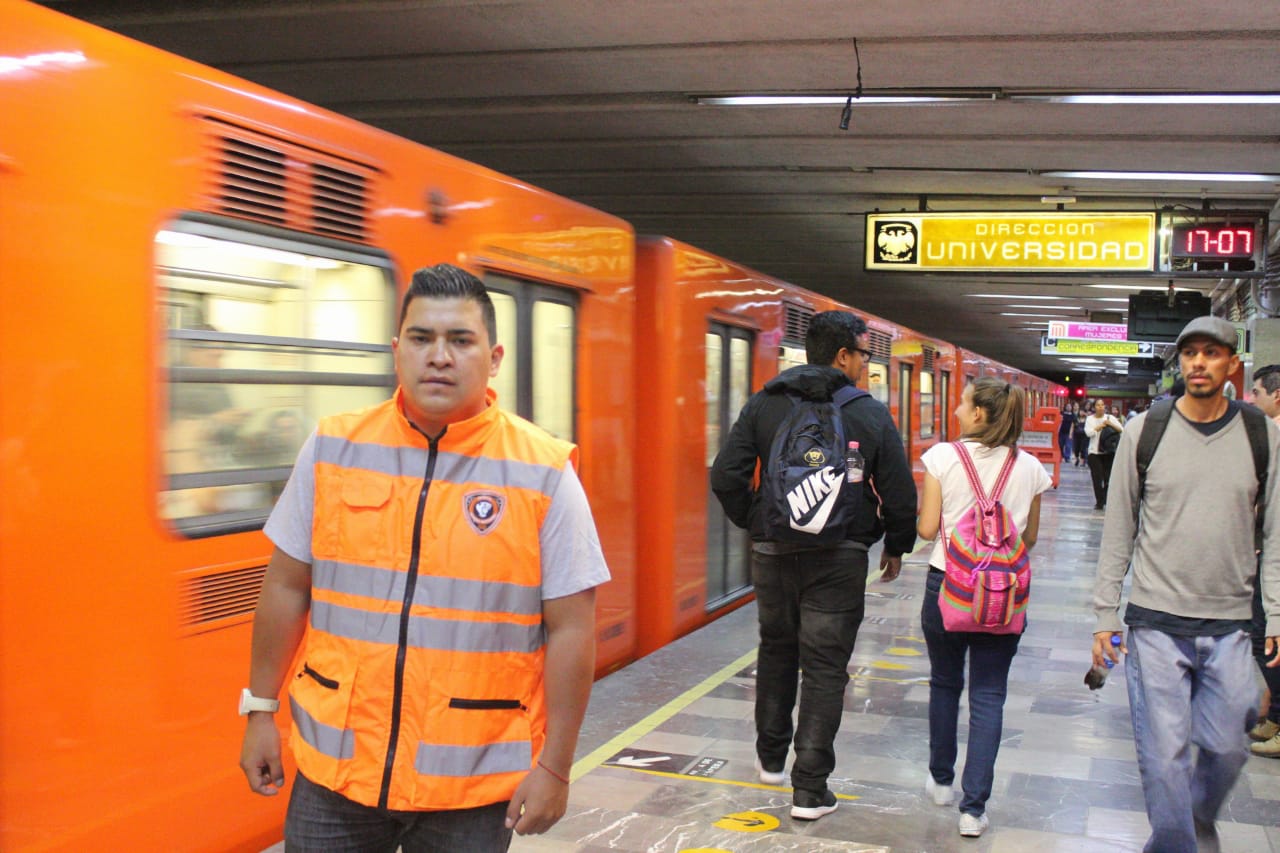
(289, 526)
(571, 556)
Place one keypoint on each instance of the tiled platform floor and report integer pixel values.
(680, 723)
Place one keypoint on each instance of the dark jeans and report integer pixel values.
(1271, 675)
(989, 658)
(1100, 467)
(1064, 446)
(321, 821)
(810, 605)
(1080, 443)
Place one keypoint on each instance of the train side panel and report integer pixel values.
(116, 720)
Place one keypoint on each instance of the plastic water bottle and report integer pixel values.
(1097, 675)
(854, 465)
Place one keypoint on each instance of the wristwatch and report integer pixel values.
(249, 702)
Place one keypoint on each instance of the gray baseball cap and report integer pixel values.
(1214, 328)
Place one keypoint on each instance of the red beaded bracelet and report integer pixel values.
(563, 779)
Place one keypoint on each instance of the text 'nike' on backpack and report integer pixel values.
(805, 497)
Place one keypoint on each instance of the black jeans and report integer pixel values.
(810, 605)
(1100, 467)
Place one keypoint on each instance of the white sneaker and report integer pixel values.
(942, 794)
(971, 826)
(770, 777)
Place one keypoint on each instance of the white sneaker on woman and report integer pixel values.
(942, 795)
(972, 825)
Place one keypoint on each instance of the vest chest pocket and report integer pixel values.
(356, 518)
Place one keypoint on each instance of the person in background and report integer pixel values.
(1188, 536)
(1080, 441)
(1065, 427)
(1265, 395)
(436, 558)
(1100, 462)
(810, 600)
(990, 416)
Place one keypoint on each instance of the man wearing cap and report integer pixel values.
(1188, 533)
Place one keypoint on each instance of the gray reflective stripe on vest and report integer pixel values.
(324, 738)
(450, 467)
(507, 757)
(425, 632)
(433, 590)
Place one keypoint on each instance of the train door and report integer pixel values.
(537, 327)
(904, 405)
(728, 372)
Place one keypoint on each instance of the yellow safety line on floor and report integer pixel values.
(590, 762)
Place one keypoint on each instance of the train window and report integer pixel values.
(904, 405)
(878, 381)
(926, 404)
(728, 385)
(504, 309)
(946, 406)
(537, 327)
(264, 336)
(790, 355)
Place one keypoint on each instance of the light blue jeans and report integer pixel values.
(1192, 690)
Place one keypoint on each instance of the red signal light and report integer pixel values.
(1079, 392)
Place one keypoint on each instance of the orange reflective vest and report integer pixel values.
(421, 679)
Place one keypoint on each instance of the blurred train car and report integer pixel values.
(196, 270)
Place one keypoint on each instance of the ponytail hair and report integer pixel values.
(1003, 404)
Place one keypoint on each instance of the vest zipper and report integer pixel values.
(410, 582)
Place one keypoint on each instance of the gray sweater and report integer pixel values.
(1190, 543)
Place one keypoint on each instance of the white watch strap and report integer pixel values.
(250, 703)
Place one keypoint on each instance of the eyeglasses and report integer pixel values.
(865, 353)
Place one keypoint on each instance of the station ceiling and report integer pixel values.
(598, 100)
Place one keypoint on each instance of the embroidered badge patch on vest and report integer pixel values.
(483, 509)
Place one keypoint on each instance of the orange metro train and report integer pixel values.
(196, 269)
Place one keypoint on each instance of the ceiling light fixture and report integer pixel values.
(1011, 296)
(1185, 98)
(828, 100)
(1059, 316)
(1199, 177)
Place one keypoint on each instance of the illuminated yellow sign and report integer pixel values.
(1011, 242)
(1081, 346)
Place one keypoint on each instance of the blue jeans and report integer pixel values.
(810, 605)
(990, 656)
(1191, 690)
(322, 821)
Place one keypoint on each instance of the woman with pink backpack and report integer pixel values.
(982, 495)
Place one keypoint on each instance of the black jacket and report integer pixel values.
(891, 498)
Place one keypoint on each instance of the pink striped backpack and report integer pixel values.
(988, 574)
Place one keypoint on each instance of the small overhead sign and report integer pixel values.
(1011, 242)
(1112, 349)
(1089, 331)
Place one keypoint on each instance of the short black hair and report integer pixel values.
(445, 281)
(1269, 376)
(831, 331)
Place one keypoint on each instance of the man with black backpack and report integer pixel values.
(1190, 492)
(812, 522)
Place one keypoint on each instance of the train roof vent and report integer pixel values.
(339, 200)
(252, 182)
(881, 344)
(795, 321)
(220, 598)
(278, 182)
(930, 354)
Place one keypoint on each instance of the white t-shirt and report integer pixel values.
(1093, 427)
(1027, 480)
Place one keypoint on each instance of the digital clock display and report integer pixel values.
(1225, 240)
